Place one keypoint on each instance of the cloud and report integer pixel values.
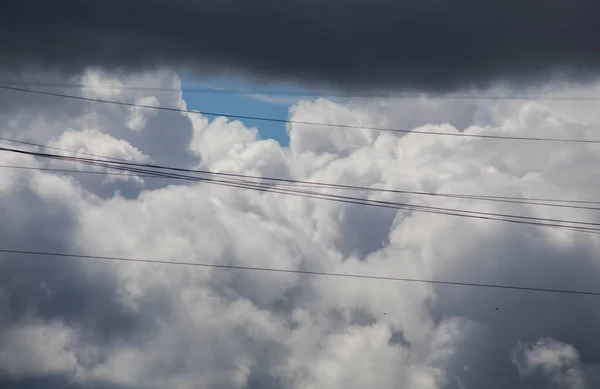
(78, 324)
(46, 349)
(84, 143)
(282, 100)
(103, 128)
(435, 45)
(91, 144)
(138, 117)
(556, 361)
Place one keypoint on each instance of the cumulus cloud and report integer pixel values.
(94, 145)
(75, 324)
(427, 45)
(556, 361)
(103, 129)
(86, 142)
(138, 117)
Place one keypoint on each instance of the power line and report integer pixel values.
(391, 95)
(316, 184)
(22, 142)
(57, 170)
(287, 121)
(302, 272)
(379, 203)
(353, 200)
(441, 195)
(534, 221)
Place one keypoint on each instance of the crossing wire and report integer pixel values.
(544, 222)
(510, 199)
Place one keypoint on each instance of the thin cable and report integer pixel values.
(395, 205)
(75, 171)
(143, 175)
(262, 187)
(388, 204)
(534, 221)
(287, 121)
(303, 272)
(523, 200)
(408, 96)
(22, 142)
(56, 170)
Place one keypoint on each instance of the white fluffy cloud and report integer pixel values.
(553, 360)
(153, 326)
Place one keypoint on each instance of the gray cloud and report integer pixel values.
(557, 362)
(520, 316)
(51, 289)
(429, 45)
(144, 327)
(40, 119)
(52, 382)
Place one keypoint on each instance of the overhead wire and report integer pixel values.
(142, 175)
(308, 123)
(315, 184)
(25, 143)
(390, 95)
(300, 272)
(580, 226)
(110, 165)
(75, 171)
(275, 270)
(144, 170)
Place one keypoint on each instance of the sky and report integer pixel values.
(72, 317)
(249, 105)
(95, 324)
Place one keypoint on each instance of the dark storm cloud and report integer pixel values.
(422, 44)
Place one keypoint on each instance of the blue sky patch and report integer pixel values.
(272, 106)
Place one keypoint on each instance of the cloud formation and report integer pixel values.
(554, 360)
(76, 324)
(406, 44)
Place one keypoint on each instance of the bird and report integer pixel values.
(496, 308)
